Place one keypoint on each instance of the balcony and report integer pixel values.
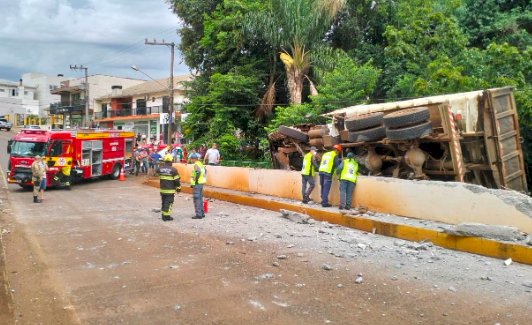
(74, 107)
(139, 111)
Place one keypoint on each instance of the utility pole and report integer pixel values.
(86, 88)
(170, 88)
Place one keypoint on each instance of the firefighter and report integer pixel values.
(328, 164)
(198, 177)
(348, 172)
(169, 185)
(307, 174)
(37, 176)
(63, 176)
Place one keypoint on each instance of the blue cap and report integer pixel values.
(350, 155)
(194, 156)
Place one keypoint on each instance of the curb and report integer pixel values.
(475, 245)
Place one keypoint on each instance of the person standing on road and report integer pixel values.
(329, 162)
(348, 172)
(212, 156)
(198, 177)
(42, 188)
(36, 177)
(310, 165)
(169, 184)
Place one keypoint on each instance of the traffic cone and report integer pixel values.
(122, 176)
(205, 206)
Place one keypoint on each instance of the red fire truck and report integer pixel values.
(89, 153)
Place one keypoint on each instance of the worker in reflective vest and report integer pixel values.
(169, 184)
(329, 162)
(310, 165)
(198, 177)
(348, 172)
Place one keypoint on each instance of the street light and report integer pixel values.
(170, 89)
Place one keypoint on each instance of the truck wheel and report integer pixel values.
(364, 121)
(116, 171)
(372, 134)
(8, 129)
(406, 117)
(410, 132)
(293, 133)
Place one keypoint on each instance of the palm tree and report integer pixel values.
(295, 28)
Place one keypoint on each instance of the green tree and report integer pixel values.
(345, 85)
(295, 27)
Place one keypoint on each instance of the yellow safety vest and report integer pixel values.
(350, 171)
(327, 162)
(308, 167)
(202, 177)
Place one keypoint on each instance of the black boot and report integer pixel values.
(36, 200)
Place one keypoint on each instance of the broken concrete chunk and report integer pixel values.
(359, 279)
(265, 276)
(326, 267)
(282, 257)
(294, 216)
(497, 232)
(508, 262)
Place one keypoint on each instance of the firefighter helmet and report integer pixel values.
(168, 157)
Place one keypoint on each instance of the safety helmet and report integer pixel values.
(168, 157)
(337, 147)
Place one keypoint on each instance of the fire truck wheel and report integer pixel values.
(116, 171)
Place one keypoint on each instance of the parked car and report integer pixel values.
(5, 124)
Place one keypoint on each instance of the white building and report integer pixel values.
(17, 100)
(44, 85)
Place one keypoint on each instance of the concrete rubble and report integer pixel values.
(294, 216)
(497, 232)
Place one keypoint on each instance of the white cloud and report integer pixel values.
(107, 36)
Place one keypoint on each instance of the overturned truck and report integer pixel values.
(468, 137)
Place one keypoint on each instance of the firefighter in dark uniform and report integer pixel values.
(169, 184)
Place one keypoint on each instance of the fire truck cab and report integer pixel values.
(87, 153)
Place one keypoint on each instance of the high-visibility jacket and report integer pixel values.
(327, 162)
(169, 179)
(198, 177)
(349, 171)
(308, 166)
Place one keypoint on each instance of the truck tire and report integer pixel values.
(410, 132)
(364, 121)
(406, 117)
(293, 133)
(116, 171)
(373, 134)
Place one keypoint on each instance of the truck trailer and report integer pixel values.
(471, 137)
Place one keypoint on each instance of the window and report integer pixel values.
(2, 90)
(59, 148)
(25, 93)
(27, 149)
(14, 92)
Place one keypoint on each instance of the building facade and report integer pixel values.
(74, 102)
(18, 101)
(44, 85)
(142, 108)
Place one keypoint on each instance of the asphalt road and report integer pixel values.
(99, 255)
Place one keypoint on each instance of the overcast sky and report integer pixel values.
(105, 35)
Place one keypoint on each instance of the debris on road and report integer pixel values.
(497, 232)
(326, 267)
(265, 276)
(508, 262)
(294, 216)
(359, 279)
